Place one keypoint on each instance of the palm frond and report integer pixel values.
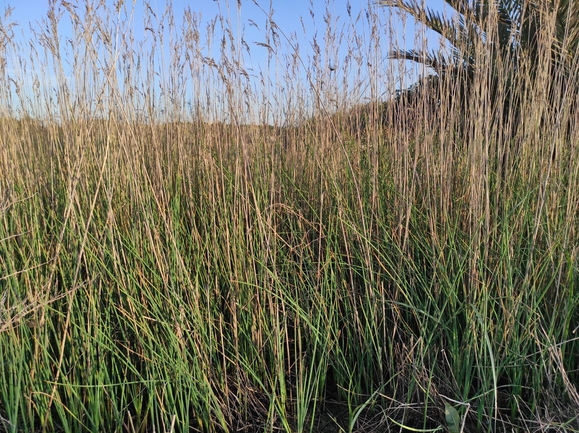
(434, 20)
(515, 29)
(436, 61)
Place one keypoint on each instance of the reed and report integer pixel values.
(255, 260)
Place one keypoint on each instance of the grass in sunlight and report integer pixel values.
(283, 267)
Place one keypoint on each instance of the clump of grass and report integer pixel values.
(254, 261)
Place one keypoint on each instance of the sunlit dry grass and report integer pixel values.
(255, 260)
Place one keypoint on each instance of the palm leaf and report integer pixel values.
(514, 27)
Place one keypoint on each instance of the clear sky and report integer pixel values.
(301, 21)
(287, 13)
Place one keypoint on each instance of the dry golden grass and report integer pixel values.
(255, 260)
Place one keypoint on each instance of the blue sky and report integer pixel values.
(301, 21)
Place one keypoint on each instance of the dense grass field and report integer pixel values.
(257, 262)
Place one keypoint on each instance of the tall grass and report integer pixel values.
(253, 260)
